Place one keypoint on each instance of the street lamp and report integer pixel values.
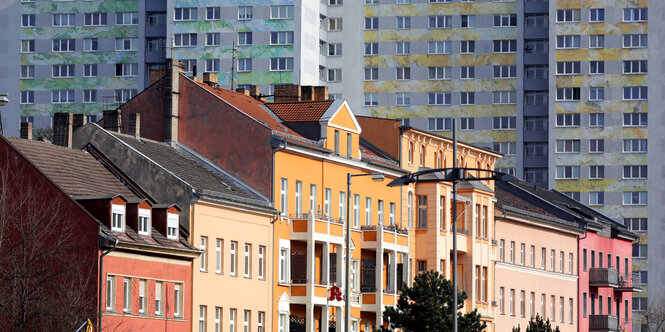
(454, 175)
(377, 177)
(4, 99)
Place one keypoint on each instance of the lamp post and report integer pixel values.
(378, 177)
(453, 175)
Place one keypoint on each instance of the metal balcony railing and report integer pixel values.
(603, 277)
(603, 323)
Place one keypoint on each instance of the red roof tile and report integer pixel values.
(304, 111)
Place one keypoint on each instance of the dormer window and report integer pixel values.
(118, 218)
(172, 226)
(144, 222)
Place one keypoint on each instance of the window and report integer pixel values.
(468, 21)
(596, 41)
(635, 41)
(334, 75)
(281, 64)
(334, 49)
(28, 20)
(635, 171)
(640, 304)
(371, 23)
(62, 71)
(403, 99)
(502, 250)
(129, 18)
(391, 216)
(232, 320)
(202, 318)
(125, 44)
(159, 293)
(596, 15)
(244, 13)
(90, 96)
(535, 149)
(634, 14)
(409, 205)
(568, 94)
(204, 251)
(568, 146)
(335, 24)
(522, 309)
(281, 12)
(439, 98)
(512, 252)
(596, 198)
(596, 119)
(371, 99)
(110, 293)
(639, 251)
(512, 302)
(379, 213)
(262, 262)
(636, 224)
(568, 120)
(596, 172)
(403, 73)
(184, 39)
(567, 172)
(568, 41)
(284, 317)
(219, 252)
(439, 123)
(507, 148)
(635, 93)
(94, 19)
(634, 145)
(505, 20)
(123, 95)
(28, 71)
(403, 22)
(568, 15)
(467, 72)
(403, 48)
(177, 300)
(503, 97)
(126, 69)
(635, 67)
(467, 98)
(505, 46)
(466, 124)
(64, 20)
(568, 68)
(437, 22)
(634, 198)
(467, 46)
(422, 211)
(368, 210)
(439, 73)
(245, 38)
(596, 145)
(327, 202)
(63, 97)
(27, 46)
(284, 265)
(504, 122)
(532, 259)
(596, 94)
(248, 260)
(501, 304)
(596, 67)
(535, 46)
(212, 38)
(438, 47)
(234, 259)
(247, 317)
(185, 14)
(505, 71)
(536, 97)
(64, 45)
(286, 38)
(522, 254)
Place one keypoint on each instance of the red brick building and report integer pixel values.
(83, 208)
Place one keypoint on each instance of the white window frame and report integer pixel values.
(233, 270)
(121, 212)
(144, 213)
(248, 260)
(172, 226)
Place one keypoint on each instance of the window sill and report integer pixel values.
(248, 277)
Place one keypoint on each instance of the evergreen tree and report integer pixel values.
(537, 324)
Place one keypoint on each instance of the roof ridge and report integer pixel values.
(45, 144)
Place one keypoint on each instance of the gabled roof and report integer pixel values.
(76, 172)
(304, 111)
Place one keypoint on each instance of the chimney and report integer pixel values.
(287, 93)
(210, 79)
(62, 128)
(307, 93)
(135, 124)
(79, 121)
(243, 91)
(254, 92)
(112, 120)
(172, 93)
(320, 93)
(26, 130)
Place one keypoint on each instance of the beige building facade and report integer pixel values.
(535, 274)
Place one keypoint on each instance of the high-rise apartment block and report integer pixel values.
(559, 87)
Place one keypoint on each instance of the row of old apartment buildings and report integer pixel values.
(218, 211)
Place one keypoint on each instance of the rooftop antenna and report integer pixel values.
(233, 66)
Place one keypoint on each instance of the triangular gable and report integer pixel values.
(339, 116)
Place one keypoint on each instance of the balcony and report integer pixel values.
(628, 284)
(602, 277)
(306, 226)
(390, 237)
(603, 323)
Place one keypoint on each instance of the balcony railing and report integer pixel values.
(603, 277)
(320, 216)
(603, 323)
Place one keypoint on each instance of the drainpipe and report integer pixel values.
(103, 240)
(272, 200)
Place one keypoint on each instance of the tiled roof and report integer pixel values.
(76, 172)
(155, 239)
(304, 111)
(190, 171)
(506, 198)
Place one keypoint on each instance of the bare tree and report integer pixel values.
(47, 280)
(654, 316)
